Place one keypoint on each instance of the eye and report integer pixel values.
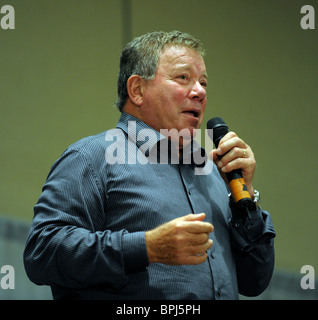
(204, 84)
(184, 77)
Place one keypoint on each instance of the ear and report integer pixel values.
(135, 89)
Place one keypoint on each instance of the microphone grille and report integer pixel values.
(215, 122)
(219, 128)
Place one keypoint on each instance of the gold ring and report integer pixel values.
(244, 153)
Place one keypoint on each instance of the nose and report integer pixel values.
(198, 92)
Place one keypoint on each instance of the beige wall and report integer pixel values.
(58, 84)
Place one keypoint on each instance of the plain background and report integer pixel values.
(58, 84)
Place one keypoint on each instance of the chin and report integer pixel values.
(186, 135)
(190, 132)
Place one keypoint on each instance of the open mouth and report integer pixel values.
(192, 113)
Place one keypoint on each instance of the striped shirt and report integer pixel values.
(87, 239)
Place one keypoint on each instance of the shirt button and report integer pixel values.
(189, 192)
(212, 255)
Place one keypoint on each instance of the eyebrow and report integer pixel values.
(189, 67)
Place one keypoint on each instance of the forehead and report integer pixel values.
(181, 57)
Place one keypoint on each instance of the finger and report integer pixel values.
(228, 142)
(197, 254)
(193, 217)
(195, 227)
(225, 139)
(214, 154)
(193, 223)
(233, 154)
(199, 239)
(239, 163)
(201, 248)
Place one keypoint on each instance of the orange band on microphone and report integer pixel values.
(239, 189)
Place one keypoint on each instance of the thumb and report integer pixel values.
(213, 155)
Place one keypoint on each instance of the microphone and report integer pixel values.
(235, 179)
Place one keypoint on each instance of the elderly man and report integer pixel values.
(151, 229)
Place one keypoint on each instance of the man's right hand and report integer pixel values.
(183, 240)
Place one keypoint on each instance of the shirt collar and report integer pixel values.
(192, 154)
(133, 127)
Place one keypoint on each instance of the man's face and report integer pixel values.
(176, 97)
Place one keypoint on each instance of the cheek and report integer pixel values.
(203, 109)
(202, 115)
(181, 94)
(175, 93)
(173, 103)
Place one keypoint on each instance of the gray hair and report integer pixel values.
(141, 57)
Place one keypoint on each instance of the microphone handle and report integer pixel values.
(235, 179)
(238, 186)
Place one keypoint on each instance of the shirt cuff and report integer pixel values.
(135, 251)
(250, 232)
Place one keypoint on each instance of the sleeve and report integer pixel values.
(252, 236)
(69, 244)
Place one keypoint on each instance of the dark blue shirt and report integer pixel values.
(87, 239)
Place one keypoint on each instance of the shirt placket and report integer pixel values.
(187, 177)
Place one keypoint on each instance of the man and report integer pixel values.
(141, 229)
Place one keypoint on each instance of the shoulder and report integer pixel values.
(88, 151)
(88, 144)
